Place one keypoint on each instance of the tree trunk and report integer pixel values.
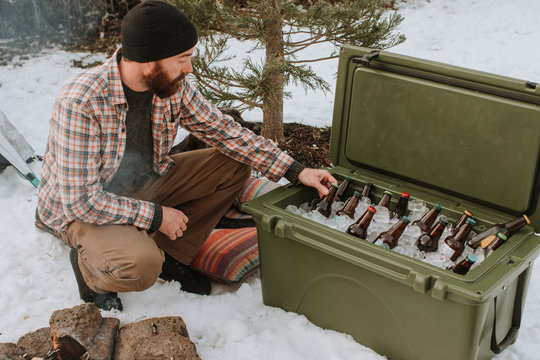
(273, 102)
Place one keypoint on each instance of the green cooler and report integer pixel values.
(464, 139)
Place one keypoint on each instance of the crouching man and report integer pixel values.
(130, 212)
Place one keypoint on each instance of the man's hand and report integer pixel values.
(174, 223)
(319, 179)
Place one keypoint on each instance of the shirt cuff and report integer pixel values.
(157, 220)
(293, 171)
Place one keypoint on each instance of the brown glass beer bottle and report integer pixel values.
(464, 265)
(428, 219)
(389, 238)
(325, 205)
(453, 245)
(359, 228)
(429, 241)
(500, 238)
(350, 206)
(343, 188)
(385, 199)
(401, 206)
(509, 229)
(366, 192)
(460, 221)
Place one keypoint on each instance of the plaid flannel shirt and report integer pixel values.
(87, 140)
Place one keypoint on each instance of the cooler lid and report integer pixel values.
(467, 133)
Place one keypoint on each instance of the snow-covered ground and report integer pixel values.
(498, 36)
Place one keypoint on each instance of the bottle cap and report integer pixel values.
(349, 178)
(502, 236)
(388, 192)
(471, 258)
(372, 209)
(471, 221)
(405, 194)
(369, 184)
(407, 220)
(526, 219)
(468, 213)
(439, 207)
(358, 193)
(335, 185)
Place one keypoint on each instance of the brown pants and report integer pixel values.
(203, 184)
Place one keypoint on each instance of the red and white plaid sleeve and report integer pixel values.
(202, 119)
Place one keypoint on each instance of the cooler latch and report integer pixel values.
(366, 59)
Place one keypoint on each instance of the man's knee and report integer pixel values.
(140, 270)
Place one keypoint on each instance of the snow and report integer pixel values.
(498, 36)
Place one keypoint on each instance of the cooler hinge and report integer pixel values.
(366, 59)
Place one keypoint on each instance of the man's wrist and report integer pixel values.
(157, 220)
(293, 171)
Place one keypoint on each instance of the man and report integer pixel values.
(130, 212)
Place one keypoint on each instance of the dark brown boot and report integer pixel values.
(107, 301)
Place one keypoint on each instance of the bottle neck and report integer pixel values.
(515, 225)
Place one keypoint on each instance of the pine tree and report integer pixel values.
(282, 28)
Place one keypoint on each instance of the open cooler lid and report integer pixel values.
(470, 134)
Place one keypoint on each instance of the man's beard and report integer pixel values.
(159, 82)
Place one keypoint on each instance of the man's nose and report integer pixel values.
(188, 68)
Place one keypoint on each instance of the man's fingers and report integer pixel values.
(322, 190)
(184, 217)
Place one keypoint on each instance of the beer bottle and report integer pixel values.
(454, 245)
(500, 238)
(343, 187)
(427, 220)
(349, 207)
(401, 206)
(429, 241)
(389, 239)
(464, 265)
(366, 192)
(359, 228)
(461, 221)
(385, 200)
(508, 229)
(325, 205)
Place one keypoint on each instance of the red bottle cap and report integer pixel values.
(372, 209)
(405, 194)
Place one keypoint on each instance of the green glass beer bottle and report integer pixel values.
(350, 206)
(325, 205)
(401, 206)
(429, 241)
(428, 219)
(389, 239)
(359, 228)
(464, 265)
(453, 245)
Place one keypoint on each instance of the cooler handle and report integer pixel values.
(497, 348)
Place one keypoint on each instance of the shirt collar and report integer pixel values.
(116, 92)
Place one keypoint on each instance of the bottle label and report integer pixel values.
(380, 243)
(446, 251)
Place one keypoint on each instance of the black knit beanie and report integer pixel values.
(155, 30)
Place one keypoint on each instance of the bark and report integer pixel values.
(273, 101)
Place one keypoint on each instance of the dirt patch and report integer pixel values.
(307, 144)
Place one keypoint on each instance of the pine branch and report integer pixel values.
(312, 60)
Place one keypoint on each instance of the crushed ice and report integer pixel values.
(381, 222)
